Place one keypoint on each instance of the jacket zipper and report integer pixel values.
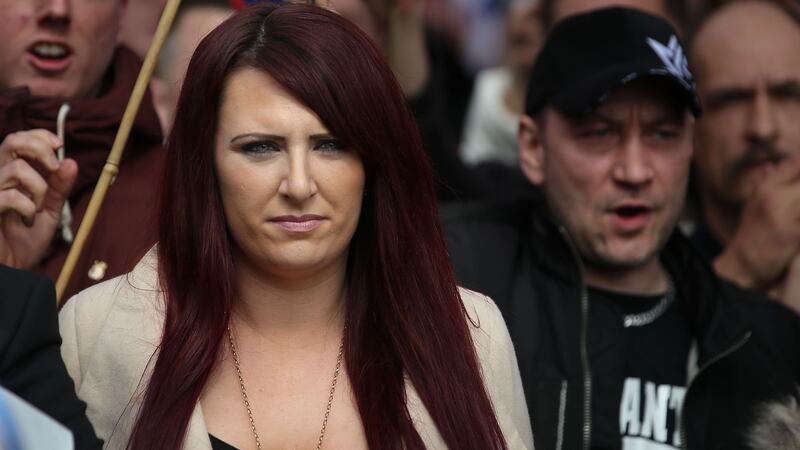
(562, 408)
(587, 371)
(727, 352)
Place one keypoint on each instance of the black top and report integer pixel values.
(30, 355)
(656, 356)
(217, 444)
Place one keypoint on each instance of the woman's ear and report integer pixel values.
(531, 150)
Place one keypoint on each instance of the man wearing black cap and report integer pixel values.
(625, 337)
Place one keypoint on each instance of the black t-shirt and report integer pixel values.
(656, 356)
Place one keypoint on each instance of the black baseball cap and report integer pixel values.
(588, 56)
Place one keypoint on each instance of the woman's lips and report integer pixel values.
(298, 224)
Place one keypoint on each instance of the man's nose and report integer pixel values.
(55, 11)
(632, 166)
(762, 124)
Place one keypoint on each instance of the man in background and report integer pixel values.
(60, 62)
(625, 337)
(747, 152)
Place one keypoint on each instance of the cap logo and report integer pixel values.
(672, 56)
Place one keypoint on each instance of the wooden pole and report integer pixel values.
(111, 168)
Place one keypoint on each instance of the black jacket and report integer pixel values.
(30, 355)
(571, 353)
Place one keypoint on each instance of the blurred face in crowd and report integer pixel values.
(291, 193)
(565, 8)
(616, 178)
(58, 48)
(187, 32)
(139, 24)
(523, 35)
(747, 61)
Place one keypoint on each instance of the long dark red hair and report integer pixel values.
(403, 309)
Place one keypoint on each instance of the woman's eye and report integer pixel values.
(329, 145)
(259, 148)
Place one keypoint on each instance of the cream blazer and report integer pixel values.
(110, 333)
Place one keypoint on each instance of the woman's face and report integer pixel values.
(291, 194)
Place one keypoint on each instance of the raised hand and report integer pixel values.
(768, 236)
(33, 188)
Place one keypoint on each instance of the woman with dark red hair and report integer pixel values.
(300, 295)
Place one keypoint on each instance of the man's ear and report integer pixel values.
(531, 150)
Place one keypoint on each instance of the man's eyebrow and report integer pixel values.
(725, 95)
(785, 87)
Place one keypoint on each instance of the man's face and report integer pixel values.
(616, 179)
(523, 36)
(750, 88)
(58, 48)
(139, 24)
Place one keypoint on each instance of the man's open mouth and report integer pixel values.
(630, 218)
(48, 56)
(46, 50)
(631, 211)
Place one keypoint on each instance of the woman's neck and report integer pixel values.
(297, 309)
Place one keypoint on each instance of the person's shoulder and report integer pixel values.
(485, 320)
(756, 304)
(116, 314)
(476, 304)
(16, 282)
(484, 229)
(19, 289)
(486, 215)
(133, 293)
(11, 276)
(483, 240)
(772, 323)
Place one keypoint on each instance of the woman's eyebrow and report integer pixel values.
(254, 136)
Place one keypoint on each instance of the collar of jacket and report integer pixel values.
(91, 124)
(716, 321)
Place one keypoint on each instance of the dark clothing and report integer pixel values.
(455, 181)
(571, 351)
(656, 356)
(706, 241)
(449, 85)
(219, 444)
(439, 109)
(125, 227)
(30, 355)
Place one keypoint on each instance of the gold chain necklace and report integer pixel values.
(247, 401)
